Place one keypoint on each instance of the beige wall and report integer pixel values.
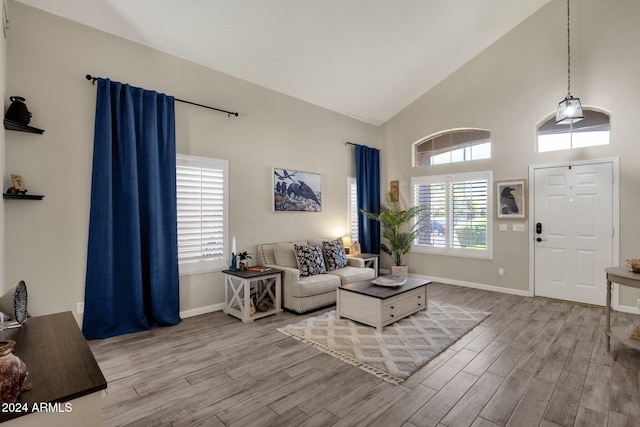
(510, 87)
(46, 241)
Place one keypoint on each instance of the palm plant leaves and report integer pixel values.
(399, 227)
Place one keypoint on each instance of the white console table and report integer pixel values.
(621, 276)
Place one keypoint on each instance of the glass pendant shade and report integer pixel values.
(569, 111)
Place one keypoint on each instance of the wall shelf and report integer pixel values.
(11, 125)
(22, 196)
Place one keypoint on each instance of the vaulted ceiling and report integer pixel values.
(367, 59)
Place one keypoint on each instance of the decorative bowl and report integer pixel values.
(390, 281)
(633, 265)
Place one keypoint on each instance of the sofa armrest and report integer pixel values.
(289, 275)
(355, 262)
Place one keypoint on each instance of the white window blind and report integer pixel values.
(457, 219)
(457, 145)
(353, 209)
(201, 185)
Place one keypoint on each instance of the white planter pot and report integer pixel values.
(400, 270)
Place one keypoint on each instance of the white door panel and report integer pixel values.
(574, 206)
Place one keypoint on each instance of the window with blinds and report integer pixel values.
(201, 185)
(353, 209)
(457, 218)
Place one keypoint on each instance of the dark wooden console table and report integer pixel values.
(61, 369)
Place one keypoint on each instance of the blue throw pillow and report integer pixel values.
(335, 257)
(310, 261)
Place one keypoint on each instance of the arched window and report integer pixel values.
(588, 132)
(457, 145)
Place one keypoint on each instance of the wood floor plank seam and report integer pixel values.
(532, 362)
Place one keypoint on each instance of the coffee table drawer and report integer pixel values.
(401, 306)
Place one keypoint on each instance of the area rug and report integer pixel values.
(399, 350)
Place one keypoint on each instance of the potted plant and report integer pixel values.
(244, 260)
(400, 227)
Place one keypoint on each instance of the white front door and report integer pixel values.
(573, 231)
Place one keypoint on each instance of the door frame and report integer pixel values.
(615, 162)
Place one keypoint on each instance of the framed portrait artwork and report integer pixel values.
(511, 199)
(296, 191)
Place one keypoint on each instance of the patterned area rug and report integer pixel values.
(399, 350)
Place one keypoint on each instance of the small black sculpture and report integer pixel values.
(14, 190)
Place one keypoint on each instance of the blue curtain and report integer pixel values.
(368, 185)
(132, 261)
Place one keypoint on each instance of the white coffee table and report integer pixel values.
(379, 306)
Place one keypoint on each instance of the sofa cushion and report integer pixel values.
(354, 274)
(315, 285)
(334, 254)
(285, 255)
(310, 260)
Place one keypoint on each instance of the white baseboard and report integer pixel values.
(627, 309)
(220, 307)
(474, 285)
(202, 310)
(621, 308)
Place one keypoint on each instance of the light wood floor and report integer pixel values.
(534, 362)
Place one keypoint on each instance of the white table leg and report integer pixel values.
(278, 292)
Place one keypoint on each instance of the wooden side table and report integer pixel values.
(621, 276)
(62, 371)
(237, 292)
(370, 261)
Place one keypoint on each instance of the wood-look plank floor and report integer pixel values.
(533, 362)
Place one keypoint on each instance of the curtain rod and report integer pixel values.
(229, 113)
(352, 143)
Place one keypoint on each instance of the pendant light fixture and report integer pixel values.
(569, 109)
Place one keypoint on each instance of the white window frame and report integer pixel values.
(415, 145)
(204, 265)
(448, 249)
(570, 133)
(352, 230)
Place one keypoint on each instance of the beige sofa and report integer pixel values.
(303, 294)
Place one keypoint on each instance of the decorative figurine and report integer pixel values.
(244, 260)
(18, 185)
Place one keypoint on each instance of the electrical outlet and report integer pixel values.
(501, 271)
(80, 308)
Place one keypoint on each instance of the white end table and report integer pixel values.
(370, 260)
(237, 292)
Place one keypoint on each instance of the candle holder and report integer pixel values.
(234, 262)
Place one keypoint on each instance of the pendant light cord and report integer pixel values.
(568, 49)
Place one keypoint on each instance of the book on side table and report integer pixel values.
(259, 268)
